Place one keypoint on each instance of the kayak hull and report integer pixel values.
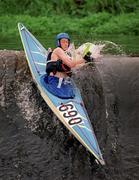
(71, 112)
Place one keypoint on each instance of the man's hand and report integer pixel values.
(88, 57)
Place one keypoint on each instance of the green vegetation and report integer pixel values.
(101, 23)
(71, 7)
(82, 19)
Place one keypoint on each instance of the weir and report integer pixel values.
(34, 143)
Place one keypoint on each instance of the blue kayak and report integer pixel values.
(68, 107)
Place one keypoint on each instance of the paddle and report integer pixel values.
(82, 50)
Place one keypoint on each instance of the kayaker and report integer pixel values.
(60, 62)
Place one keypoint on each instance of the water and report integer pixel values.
(35, 145)
(128, 44)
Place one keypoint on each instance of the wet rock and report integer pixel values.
(33, 141)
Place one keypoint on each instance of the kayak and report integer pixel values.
(70, 110)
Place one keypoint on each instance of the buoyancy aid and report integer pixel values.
(56, 66)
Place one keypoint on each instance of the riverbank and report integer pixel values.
(101, 23)
(122, 30)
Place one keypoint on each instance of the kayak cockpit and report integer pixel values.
(63, 89)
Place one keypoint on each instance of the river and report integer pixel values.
(33, 142)
(115, 44)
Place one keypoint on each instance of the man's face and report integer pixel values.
(64, 43)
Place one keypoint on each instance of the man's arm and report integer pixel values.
(66, 59)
